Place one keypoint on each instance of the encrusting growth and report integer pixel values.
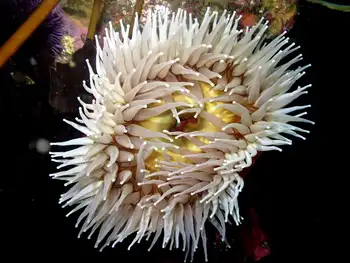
(180, 110)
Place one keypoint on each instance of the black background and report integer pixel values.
(299, 192)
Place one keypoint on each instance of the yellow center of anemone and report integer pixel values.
(166, 121)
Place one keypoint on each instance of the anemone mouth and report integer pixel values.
(180, 110)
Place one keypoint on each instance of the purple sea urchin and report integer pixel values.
(47, 35)
(180, 110)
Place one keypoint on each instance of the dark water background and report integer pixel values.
(298, 192)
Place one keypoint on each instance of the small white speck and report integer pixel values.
(33, 61)
(42, 146)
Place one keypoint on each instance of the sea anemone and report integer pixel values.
(180, 110)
